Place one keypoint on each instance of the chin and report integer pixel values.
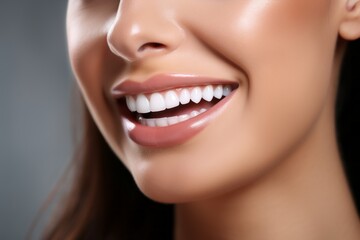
(185, 180)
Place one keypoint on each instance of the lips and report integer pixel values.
(168, 110)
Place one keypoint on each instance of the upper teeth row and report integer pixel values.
(159, 101)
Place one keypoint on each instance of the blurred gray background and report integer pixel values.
(36, 86)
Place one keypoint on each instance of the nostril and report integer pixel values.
(151, 46)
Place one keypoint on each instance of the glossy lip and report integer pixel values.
(164, 82)
(172, 135)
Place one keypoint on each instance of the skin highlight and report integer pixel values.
(263, 168)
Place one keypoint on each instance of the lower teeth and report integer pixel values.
(167, 121)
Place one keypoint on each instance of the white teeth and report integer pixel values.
(227, 90)
(171, 99)
(161, 122)
(218, 92)
(142, 104)
(183, 117)
(173, 120)
(167, 121)
(143, 121)
(203, 110)
(196, 94)
(157, 102)
(184, 96)
(194, 113)
(131, 103)
(208, 93)
(150, 122)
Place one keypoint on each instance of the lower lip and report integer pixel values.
(172, 135)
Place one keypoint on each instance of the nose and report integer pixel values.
(143, 29)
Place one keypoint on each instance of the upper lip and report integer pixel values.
(163, 82)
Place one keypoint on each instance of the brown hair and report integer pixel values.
(105, 203)
(348, 117)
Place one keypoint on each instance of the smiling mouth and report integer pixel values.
(166, 108)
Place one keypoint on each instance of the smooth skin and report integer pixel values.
(268, 167)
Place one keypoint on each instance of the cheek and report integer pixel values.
(95, 67)
(279, 45)
(251, 31)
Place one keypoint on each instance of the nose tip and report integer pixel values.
(134, 36)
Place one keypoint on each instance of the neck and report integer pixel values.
(304, 197)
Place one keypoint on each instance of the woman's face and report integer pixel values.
(273, 58)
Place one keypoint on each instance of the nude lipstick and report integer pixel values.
(167, 110)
